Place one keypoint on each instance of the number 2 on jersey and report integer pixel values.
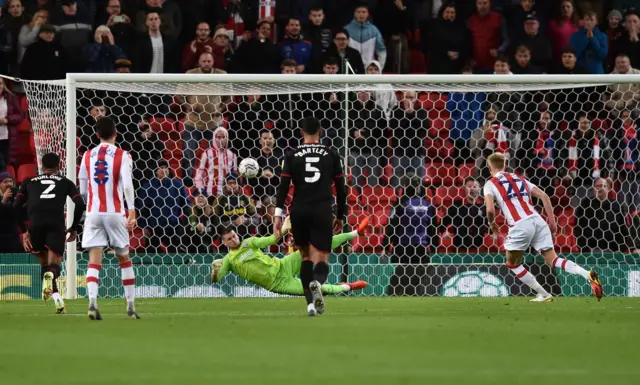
(310, 168)
(521, 187)
(47, 193)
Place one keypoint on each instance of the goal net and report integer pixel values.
(415, 150)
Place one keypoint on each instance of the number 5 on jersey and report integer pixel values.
(310, 168)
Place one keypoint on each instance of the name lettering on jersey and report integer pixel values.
(48, 176)
(311, 150)
(110, 152)
(245, 256)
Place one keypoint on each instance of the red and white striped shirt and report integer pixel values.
(106, 180)
(215, 165)
(512, 193)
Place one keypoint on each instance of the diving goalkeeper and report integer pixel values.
(274, 274)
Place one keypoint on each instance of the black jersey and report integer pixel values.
(313, 168)
(46, 196)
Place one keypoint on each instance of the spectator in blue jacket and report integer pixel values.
(163, 207)
(101, 55)
(366, 37)
(294, 47)
(467, 115)
(590, 44)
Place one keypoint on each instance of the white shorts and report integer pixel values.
(530, 232)
(105, 230)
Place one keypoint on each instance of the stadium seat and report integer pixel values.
(378, 194)
(379, 219)
(353, 196)
(446, 195)
(418, 62)
(26, 171)
(438, 149)
(493, 245)
(137, 240)
(434, 100)
(11, 171)
(467, 170)
(438, 173)
(162, 124)
(356, 215)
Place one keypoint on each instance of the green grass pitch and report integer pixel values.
(357, 341)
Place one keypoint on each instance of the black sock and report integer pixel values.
(55, 269)
(320, 272)
(306, 276)
(43, 269)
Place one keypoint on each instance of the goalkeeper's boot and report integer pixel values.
(318, 299)
(60, 309)
(363, 226)
(546, 297)
(596, 286)
(47, 285)
(94, 314)
(131, 312)
(357, 285)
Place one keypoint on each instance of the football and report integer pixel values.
(249, 168)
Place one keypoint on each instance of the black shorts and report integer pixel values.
(47, 236)
(312, 226)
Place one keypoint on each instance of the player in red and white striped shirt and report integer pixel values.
(512, 194)
(106, 183)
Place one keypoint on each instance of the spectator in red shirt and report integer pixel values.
(486, 36)
(563, 27)
(202, 43)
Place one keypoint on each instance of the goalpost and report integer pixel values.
(448, 134)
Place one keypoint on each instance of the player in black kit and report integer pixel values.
(45, 196)
(313, 169)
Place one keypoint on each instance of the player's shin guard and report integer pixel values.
(306, 276)
(93, 273)
(527, 278)
(570, 267)
(128, 281)
(320, 272)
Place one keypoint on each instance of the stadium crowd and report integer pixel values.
(405, 149)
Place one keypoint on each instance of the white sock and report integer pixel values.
(354, 234)
(93, 273)
(346, 287)
(528, 279)
(56, 297)
(311, 306)
(128, 281)
(570, 267)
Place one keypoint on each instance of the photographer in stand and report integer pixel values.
(9, 237)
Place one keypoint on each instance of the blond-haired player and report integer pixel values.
(512, 194)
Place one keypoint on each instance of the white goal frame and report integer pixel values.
(435, 83)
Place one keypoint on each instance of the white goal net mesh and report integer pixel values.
(407, 145)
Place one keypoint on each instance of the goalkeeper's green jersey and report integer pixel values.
(249, 262)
